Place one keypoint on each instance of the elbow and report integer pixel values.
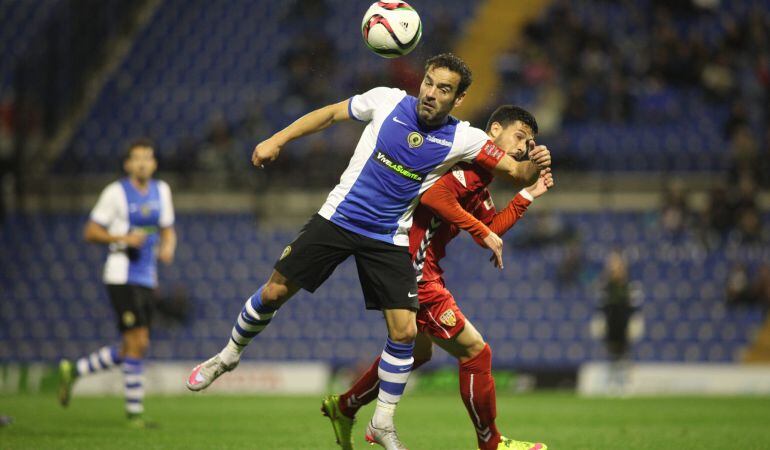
(89, 234)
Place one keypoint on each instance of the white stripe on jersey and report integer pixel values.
(388, 99)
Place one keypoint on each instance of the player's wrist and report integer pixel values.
(527, 194)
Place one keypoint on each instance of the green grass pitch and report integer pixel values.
(425, 421)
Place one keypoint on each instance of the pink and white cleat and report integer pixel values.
(205, 373)
(384, 437)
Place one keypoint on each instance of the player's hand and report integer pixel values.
(543, 183)
(135, 238)
(266, 151)
(166, 254)
(540, 155)
(494, 243)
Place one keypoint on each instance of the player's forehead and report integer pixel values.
(141, 151)
(518, 126)
(442, 75)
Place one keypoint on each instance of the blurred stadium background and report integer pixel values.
(657, 114)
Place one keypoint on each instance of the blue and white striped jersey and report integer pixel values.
(122, 208)
(395, 161)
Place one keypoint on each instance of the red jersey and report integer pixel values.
(430, 233)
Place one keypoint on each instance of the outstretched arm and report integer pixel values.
(525, 173)
(312, 122)
(443, 201)
(507, 218)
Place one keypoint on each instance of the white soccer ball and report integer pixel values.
(391, 28)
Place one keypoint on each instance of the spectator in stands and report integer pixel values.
(744, 154)
(219, 158)
(675, 212)
(571, 266)
(760, 287)
(737, 291)
(718, 217)
(749, 229)
(310, 63)
(616, 305)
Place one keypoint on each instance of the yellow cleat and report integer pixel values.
(510, 444)
(343, 425)
(67, 376)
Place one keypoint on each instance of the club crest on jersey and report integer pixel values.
(414, 139)
(448, 318)
(285, 252)
(145, 210)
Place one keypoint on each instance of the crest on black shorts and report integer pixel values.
(285, 253)
(129, 319)
(414, 139)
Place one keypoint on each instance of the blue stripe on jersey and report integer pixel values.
(406, 152)
(143, 212)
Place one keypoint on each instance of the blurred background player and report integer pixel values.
(620, 323)
(460, 199)
(407, 145)
(134, 217)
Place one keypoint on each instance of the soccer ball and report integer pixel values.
(391, 28)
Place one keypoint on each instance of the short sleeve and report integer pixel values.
(105, 211)
(363, 106)
(474, 141)
(166, 205)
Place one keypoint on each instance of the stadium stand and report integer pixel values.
(661, 110)
(528, 316)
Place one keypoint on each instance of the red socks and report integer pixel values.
(477, 388)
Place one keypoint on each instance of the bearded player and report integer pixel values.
(459, 200)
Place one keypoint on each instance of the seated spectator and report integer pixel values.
(675, 213)
(737, 291)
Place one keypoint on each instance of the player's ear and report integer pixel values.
(459, 99)
(495, 129)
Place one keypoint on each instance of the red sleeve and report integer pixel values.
(489, 156)
(442, 199)
(505, 219)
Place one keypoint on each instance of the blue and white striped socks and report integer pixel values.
(103, 359)
(254, 317)
(133, 376)
(394, 369)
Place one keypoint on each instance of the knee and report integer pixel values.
(135, 345)
(275, 294)
(404, 334)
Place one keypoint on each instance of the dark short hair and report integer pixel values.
(456, 65)
(507, 114)
(136, 143)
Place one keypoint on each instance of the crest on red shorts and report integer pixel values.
(448, 318)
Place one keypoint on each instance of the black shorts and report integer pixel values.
(132, 304)
(385, 270)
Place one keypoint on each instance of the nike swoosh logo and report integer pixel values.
(395, 119)
(411, 295)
